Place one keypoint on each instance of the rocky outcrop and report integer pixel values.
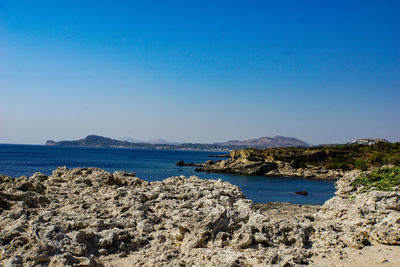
(274, 162)
(354, 219)
(190, 164)
(79, 216)
(86, 216)
(220, 156)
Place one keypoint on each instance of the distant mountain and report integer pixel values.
(130, 139)
(263, 142)
(91, 141)
(153, 142)
(162, 142)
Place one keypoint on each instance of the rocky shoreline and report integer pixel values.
(90, 217)
(253, 162)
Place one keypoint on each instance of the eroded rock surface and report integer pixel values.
(354, 219)
(78, 216)
(272, 163)
(90, 217)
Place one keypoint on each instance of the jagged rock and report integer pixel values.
(191, 164)
(180, 163)
(357, 219)
(84, 216)
(271, 162)
(77, 216)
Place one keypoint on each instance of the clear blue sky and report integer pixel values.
(199, 71)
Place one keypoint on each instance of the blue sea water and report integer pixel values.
(152, 165)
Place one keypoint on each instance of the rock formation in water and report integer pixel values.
(322, 162)
(288, 162)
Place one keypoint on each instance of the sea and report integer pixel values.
(156, 165)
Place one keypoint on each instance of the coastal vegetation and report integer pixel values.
(382, 179)
(363, 157)
(338, 157)
(318, 162)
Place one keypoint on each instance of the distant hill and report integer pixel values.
(91, 141)
(263, 142)
(153, 142)
(130, 139)
(163, 142)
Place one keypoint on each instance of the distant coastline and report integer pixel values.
(263, 142)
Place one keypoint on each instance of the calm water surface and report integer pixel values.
(155, 165)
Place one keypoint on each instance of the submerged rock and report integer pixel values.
(182, 163)
(304, 193)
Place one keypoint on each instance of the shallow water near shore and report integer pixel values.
(156, 165)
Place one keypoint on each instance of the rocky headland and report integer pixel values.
(90, 217)
(325, 162)
(272, 162)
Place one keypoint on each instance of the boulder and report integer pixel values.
(304, 193)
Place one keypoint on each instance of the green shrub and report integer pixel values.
(332, 165)
(394, 159)
(383, 179)
(301, 165)
(382, 146)
(345, 166)
(338, 166)
(361, 165)
(376, 158)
